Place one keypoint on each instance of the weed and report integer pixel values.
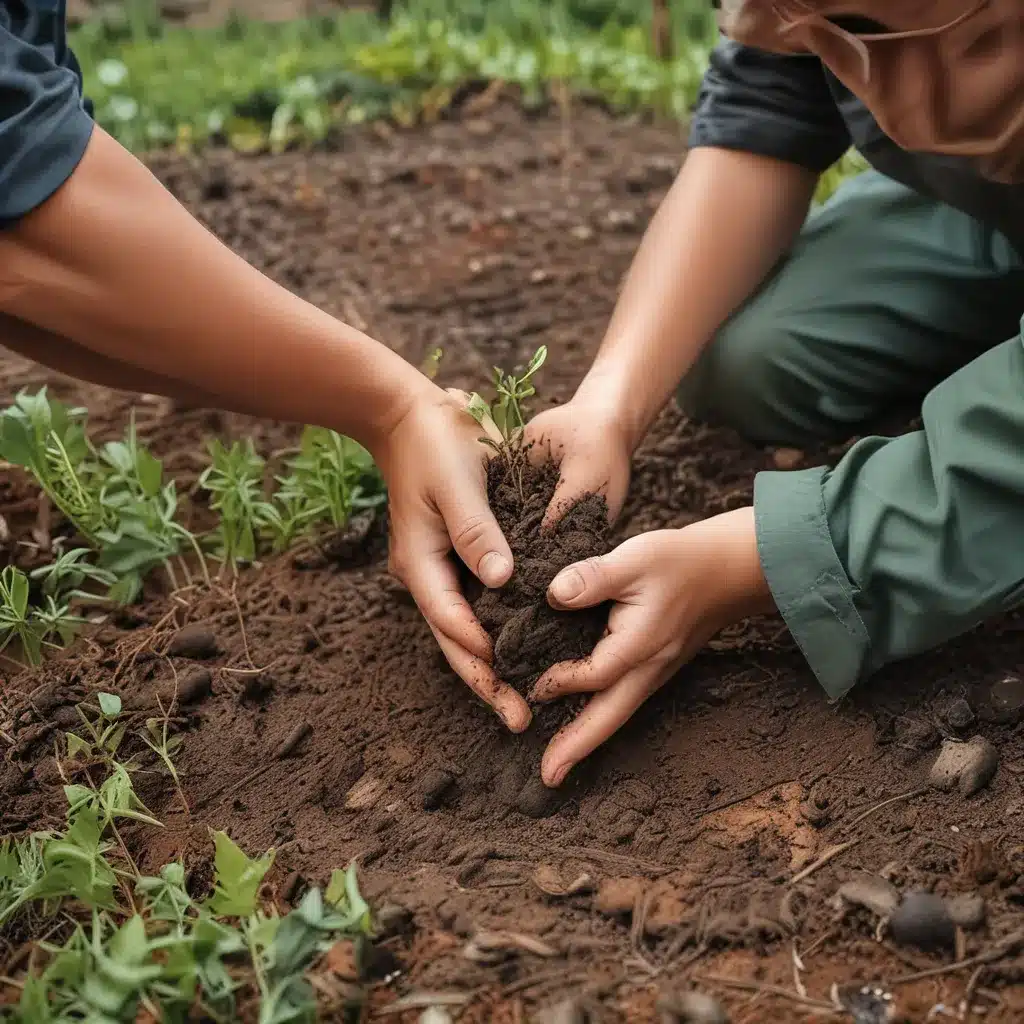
(156, 953)
(33, 627)
(103, 730)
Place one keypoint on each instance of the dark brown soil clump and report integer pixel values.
(529, 635)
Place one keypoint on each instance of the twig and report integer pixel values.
(966, 1008)
(828, 855)
(989, 956)
(885, 803)
(773, 990)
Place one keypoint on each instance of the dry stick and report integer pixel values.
(827, 856)
(885, 803)
(966, 1007)
(773, 990)
(997, 952)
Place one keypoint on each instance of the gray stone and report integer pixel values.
(691, 1008)
(923, 920)
(967, 911)
(959, 715)
(876, 894)
(967, 766)
(569, 1011)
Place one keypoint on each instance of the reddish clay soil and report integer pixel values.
(329, 727)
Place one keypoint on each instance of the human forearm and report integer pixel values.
(116, 265)
(725, 223)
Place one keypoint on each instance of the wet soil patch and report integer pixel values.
(529, 635)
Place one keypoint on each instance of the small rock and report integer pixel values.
(969, 766)
(436, 786)
(195, 641)
(435, 1015)
(866, 1004)
(567, 1012)
(787, 459)
(195, 686)
(392, 919)
(1007, 700)
(620, 220)
(967, 911)
(365, 793)
(582, 233)
(617, 896)
(923, 920)
(691, 1008)
(959, 715)
(549, 880)
(876, 894)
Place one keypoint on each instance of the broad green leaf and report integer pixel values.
(76, 746)
(110, 704)
(237, 878)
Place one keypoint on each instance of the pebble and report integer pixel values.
(618, 895)
(691, 1008)
(536, 800)
(436, 786)
(566, 1012)
(870, 891)
(923, 920)
(195, 641)
(195, 686)
(1007, 698)
(435, 1015)
(968, 766)
(967, 911)
(959, 715)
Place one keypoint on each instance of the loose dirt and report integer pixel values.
(706, 840)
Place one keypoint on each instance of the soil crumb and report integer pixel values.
(529, 635)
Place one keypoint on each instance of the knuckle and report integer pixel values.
(470, 531)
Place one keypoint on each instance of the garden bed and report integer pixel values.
(332, 730)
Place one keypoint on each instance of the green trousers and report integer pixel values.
(887, 299)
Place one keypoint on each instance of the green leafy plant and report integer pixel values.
(115, 498)
(234, 478)
(102, 728)
(33, 627)
(133, 942)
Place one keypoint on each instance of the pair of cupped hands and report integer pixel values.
(671, 588)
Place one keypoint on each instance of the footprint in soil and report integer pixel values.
(529, 636)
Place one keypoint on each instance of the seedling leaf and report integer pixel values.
(237, 878)
(110, 704)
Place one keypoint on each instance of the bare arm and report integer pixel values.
(113, 263)
(727, 220)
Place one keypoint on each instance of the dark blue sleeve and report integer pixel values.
(44, 126)
(770, 104)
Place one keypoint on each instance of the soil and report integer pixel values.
(529, 635)
(706, 840)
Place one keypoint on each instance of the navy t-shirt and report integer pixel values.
(45, 123)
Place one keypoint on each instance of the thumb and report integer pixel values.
(477, 538)
(588, 583)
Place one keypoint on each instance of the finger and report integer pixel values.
(614, 657)
(604, 715)
(480, 677)
(573, 483)
(474, 531)
(434, 585)
(588, 583)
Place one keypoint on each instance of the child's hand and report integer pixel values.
(435, 468)
(591, 449)
(673, 591)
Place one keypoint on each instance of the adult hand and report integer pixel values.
(673, 591)
(435, 468)
(588, 443)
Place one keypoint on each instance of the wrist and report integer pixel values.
(607, 398)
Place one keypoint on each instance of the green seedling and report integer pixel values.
(158, 738)
(505, 413)
(65, 577)
(33, 627)
(331, 477)
(103, 730)
(234, 478)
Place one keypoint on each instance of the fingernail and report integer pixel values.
(494, 569)
(559, 777)
(567, 585)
